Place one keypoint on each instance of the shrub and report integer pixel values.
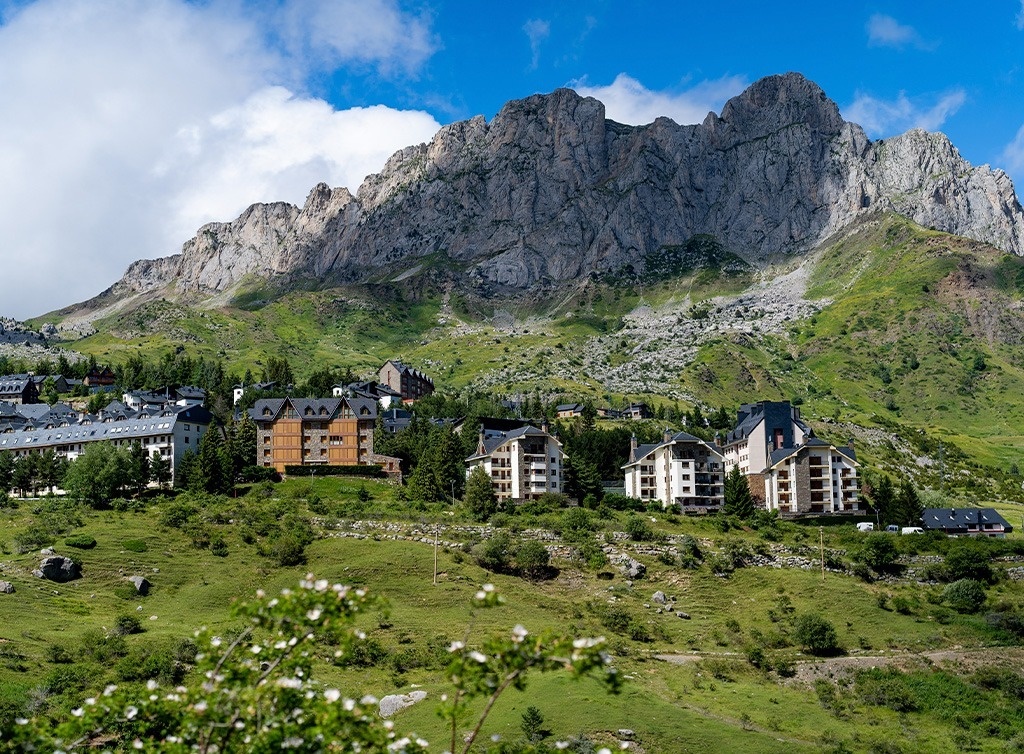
(177, 514)
(639, 530)
(885, 687)
(218, 546)
(878, 552)
(81, 541)
(816, 634)
(495, 554)
(127, 624)
(969, 560)
(287, 550)
(532, 559)
(135, 545)
(902, 605)
(965, 595)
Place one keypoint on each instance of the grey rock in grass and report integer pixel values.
(58, 568)
(141, 584)
(6, 587)
(393, 703)
(681, 614)
(631, 568)
(659, 597)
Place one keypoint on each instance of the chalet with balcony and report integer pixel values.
(317, 432)
(523, 463)
(814, 478)
(684, 472)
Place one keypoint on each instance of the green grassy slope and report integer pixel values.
(704, 696)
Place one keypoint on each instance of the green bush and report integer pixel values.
(218, 546)
(639, 530)
(287, 550)
(885, 687)
(177, 514)
(815, 634)
(965, 595)
(81, 541)
(495, 554)
(532, 560)
(127, 624)
(969, 559)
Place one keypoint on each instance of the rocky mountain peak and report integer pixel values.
(550, 191)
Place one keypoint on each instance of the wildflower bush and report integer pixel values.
(256, 692)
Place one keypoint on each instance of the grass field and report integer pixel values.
(706, 696)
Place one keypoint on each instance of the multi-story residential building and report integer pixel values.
(410, 383)
(815, 477)
(682, 471)
(523, 463)
(18, 388)
(170, 433)
(317, 431)
(761, 428)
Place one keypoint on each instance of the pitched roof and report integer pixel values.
(642, 451)
(962, 518)
(492, 443)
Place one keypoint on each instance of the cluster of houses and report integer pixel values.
(788, 468)
(166, 424)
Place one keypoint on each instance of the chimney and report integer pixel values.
(544, 426)
(667, 435)
(480, 440)
(850, 443)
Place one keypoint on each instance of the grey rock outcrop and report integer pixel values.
(551, 191)
(629, 567)
(6, 587)
(393, 703)
(141, 584)
(58, 568)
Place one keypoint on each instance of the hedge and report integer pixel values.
(367, 470)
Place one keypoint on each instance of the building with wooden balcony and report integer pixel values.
(317, 432)
(814, 478)
(684, 472)
(523, 463)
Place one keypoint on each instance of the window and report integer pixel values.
(266, 439)
(186, 441)
(187, 427)
(336, 440)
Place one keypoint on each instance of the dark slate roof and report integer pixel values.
(13, 384)
(569, 407)
(781, 454)
(313, 408)
(751, 415)
(190, 392)
(496, 441)
(642, 451)
(126, 429)
(33, 410)
(962, 518)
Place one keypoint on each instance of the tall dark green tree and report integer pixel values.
(582, 478)
(213, 465)
(908, 505)
(242, 444)
(738, 500)
(138, 468)
(160, 470)
(6, 471)
(51, 469)
(883, 500)
(23, 475)
(188, 468)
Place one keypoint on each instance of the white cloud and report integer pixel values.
(886, 31)
(1013, 154)
(537, 30)
(1020, 16)
(887, 117)
(628, 101)
(362, 31)
(128, 123)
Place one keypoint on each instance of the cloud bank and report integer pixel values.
(129, 123)
(628, 101)
(887, 117)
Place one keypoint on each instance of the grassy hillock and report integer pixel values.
(731, 677)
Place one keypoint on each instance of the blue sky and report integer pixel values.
(129, 123)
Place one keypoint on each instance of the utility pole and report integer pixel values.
(435, 553)
(821, 540)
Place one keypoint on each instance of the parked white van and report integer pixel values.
(865, 526)
(911, 530)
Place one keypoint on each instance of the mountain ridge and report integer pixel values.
(550, 191)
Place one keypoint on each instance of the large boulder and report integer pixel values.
(58, 568)
(141, 584)
(393, 703)
(6, 587)
(631, 568)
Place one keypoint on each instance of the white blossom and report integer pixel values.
(313, 614)
(456, 646)
(332, 695)
(519, 633)
(130, 712)
(478, 656)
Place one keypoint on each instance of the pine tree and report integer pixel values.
(6, 471)
(883, 499)
(138, 467)
(160, 470)
(242, 444)
(908, 505)
(213, 466)
(738, 500)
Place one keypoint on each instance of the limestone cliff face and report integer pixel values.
(550, 191)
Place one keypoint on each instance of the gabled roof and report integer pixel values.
(962, 518)
(269, 409)
(492, 443)
(781, 454)
(642, 451)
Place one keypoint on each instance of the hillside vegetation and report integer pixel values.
(737, 674)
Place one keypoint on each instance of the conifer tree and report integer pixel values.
(481, 501)
(738, 500)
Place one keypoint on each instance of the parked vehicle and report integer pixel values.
(865, 526)
(911, 530)
(892, 529)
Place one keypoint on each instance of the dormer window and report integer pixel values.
(267, 411)
(308, 411)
